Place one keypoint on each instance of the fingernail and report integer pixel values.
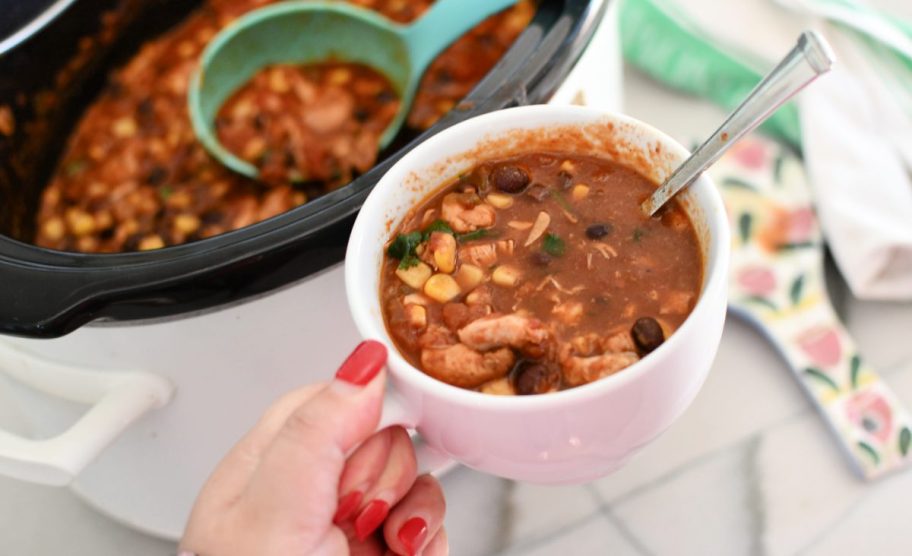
(370, 518)
(363, 364)
(412, 535)
(348, 504)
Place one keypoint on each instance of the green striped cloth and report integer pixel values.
(661, 39)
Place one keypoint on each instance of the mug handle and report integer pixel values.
(397, 413)
(117, 399)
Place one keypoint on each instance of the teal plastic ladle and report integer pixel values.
(307, 32)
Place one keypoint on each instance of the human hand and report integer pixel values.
(313, 477)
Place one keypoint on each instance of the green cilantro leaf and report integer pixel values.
(553, 245)
(477, 234)
(403, 248)
(438, 226)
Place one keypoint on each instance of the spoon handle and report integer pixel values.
(810, 58)
(443, 23)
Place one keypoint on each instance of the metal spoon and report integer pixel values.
(809, 59)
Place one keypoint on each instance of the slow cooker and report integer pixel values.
(137, 371)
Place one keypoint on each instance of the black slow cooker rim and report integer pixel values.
(50, 293)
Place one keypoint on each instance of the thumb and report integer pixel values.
(298, 475)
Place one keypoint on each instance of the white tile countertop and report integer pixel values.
(749, 468)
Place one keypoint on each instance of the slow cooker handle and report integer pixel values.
(117, 399)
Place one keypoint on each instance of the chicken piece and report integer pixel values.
(480, 296)
(466, 213)
(436, 336)
(585, 345)
(517, 331)
(583, 370)
(616, 343)
(330, 111)
(482, 255)
(462, 366)
(568, 312)
(417, 316)
(678, 303)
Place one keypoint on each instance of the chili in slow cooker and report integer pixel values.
(538, 273)
(317, 122)
(134, 177)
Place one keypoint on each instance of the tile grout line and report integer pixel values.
(621, 525)
(854, 507)
(756, 507)
(507, 517)
(559, 532)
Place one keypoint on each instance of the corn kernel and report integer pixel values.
(87, 244)
(498, 200)
(255, 147)
(186, 223)
(186, 49)
(498, 387)
(53, 229)
(339, 76)
(441, 288)
(568, 166)
(444, 251)
(277, 81)
(414, 276)
(80, 222)
(469, 276)
(506, 276)
(151, 242)
(124, 127)
(579, 192)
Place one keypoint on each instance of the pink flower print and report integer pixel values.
(821, 344)
(757, 280)
(800, 225)
(872, 413)
(750, 153)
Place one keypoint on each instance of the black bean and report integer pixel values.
(145, 107)
(647, 334)
(213, 217)
(157, 175)
(510, 179)
(597, 231)
(531, 377)
(540, 258)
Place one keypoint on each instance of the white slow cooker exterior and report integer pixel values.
(227, 365)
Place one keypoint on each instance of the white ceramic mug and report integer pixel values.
(573, 435)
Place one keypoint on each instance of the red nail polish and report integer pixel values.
(412, 535)
(370, 518)
(347, 507)
(363, 364)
